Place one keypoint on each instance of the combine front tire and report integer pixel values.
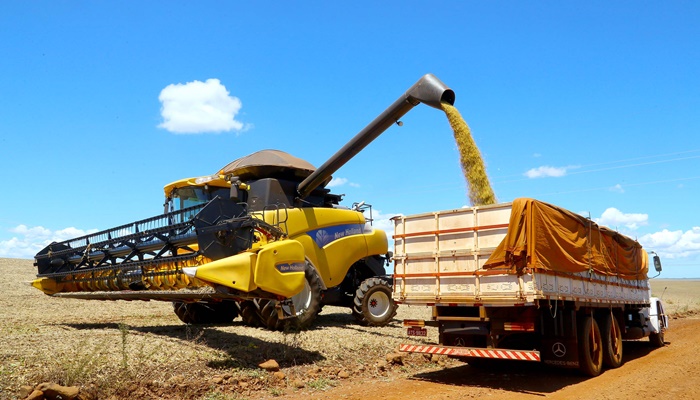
(250, 313)
(373, 304)
(307, 305)
(269, 316)
(205, 313)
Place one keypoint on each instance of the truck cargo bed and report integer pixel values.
(440, 256)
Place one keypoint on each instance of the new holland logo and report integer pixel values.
(323, 238)
(290, 267)
(327, 235)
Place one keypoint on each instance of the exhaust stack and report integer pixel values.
(428, 90)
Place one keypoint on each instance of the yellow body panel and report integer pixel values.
(376, 242)
(234, 271)
(331, 260)
(333, 239)
(213, 180)
(280, 268)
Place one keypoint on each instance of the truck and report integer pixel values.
(525, 280)
(263, 238)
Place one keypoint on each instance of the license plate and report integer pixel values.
(417, 331)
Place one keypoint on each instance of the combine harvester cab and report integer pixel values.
(525, 281)
(262, 238)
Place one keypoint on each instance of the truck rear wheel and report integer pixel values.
(205, 313)
(612, 342)
(590, 347)
(373, 304)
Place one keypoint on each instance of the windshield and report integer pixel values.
(189, 196)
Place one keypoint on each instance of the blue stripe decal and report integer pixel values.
(330, 234)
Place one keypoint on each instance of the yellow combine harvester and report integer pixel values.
(262, 238)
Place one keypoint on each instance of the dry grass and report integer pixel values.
(141, 350)
(680, 296)
(120, 348)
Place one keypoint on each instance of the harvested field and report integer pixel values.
(681, 296)
(120, 347)
(141, 350)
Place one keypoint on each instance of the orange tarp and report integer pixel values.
(545, 237)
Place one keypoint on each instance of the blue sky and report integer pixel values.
(591, 106)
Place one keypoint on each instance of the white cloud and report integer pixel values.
(37, 231)
(383, 221)
(585, 214)
(664, 238)
(613, 218)
(30, 241)
(335, 182)
(546, 171)
(617, 188)
(673, 244)
(199, 107)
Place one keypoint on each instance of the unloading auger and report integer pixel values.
(265, 239)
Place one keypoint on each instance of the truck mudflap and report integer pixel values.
(502, 354)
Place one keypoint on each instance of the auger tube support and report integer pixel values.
(428, 90)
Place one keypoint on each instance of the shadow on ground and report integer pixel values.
(242, 351)
(521, 376)
(346, 321)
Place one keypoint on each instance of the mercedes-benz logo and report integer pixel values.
(559, 349)
(459, 342)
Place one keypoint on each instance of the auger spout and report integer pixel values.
(428, 90)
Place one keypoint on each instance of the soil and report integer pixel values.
(670, 372)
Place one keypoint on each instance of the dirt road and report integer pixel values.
(671, 372)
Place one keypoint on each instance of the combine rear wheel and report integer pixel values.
(307, 305)
(205, 313)
(373, 304)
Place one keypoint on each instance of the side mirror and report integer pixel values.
(235, 194)
(238, 190)
(657, 263)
